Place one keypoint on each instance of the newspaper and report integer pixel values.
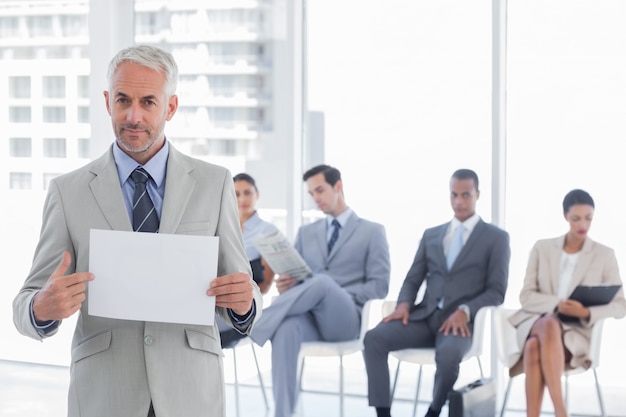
(282, 257)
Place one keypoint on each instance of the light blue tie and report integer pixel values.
(455, 245)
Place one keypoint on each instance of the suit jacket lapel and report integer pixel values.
(556, 254)
(441, 234)
(470, 244)
(320, 237)
(179, 186)
(107, 192)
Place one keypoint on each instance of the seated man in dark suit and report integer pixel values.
(465, 264)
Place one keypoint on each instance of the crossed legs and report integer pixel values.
(317, 309)
(544, 363)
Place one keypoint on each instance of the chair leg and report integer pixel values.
(600, 400)
(236, 381)
(506, 397)
(395, 381)
(341, 385)
(301, 373)
(566, 392)
(480, 367)
(417, 391)
(258, 371)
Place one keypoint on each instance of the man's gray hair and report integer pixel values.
(151, 57)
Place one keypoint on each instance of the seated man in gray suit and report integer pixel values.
(349, 257)
(465, 265)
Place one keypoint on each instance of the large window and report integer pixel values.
(406, 96)
(566, 106)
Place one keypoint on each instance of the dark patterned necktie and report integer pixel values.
(335, 235)
(145, 217)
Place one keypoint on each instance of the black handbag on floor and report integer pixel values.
(477, 399)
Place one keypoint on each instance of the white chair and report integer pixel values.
(506, 345)
(243, 342)
(426, 356)
(340, 349)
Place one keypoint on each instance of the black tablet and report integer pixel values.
(591, 295)
(594, 295)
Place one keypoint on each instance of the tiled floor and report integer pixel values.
(32, 390)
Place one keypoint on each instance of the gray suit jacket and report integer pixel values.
(478, 277)
(119, 366)
(359, 261)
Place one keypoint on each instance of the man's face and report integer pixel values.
(326, 197)
(139, 109)
(463, 197)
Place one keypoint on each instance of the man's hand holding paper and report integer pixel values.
(233, 291)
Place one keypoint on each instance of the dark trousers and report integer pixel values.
(387, 337)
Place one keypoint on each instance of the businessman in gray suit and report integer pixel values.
(349, 257)
(125, 367)
(465, 265)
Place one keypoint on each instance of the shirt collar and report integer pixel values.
(156, 166)
(469, 224)
(252, 221)
(342, 218)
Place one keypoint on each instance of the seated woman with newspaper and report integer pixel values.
(252, 227)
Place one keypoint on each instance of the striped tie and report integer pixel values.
(145, 217)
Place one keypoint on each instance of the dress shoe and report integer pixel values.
(432, 413)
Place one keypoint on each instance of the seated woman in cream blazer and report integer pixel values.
(547, 345)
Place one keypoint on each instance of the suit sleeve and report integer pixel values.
(532, 298)
(610, 275)
(53, 240)
(377, 268)
(232, 257)
(497, 275)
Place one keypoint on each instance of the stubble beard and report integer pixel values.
(127, 145)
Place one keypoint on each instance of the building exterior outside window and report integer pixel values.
(20, 147)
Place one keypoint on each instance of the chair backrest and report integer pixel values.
(478, 336)
(387, 307)
(504, 334)
(366, 317)
(596, 343)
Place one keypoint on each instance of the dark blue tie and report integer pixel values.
(145, 217)
(335, 235)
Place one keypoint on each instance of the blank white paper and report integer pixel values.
(152, 276)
